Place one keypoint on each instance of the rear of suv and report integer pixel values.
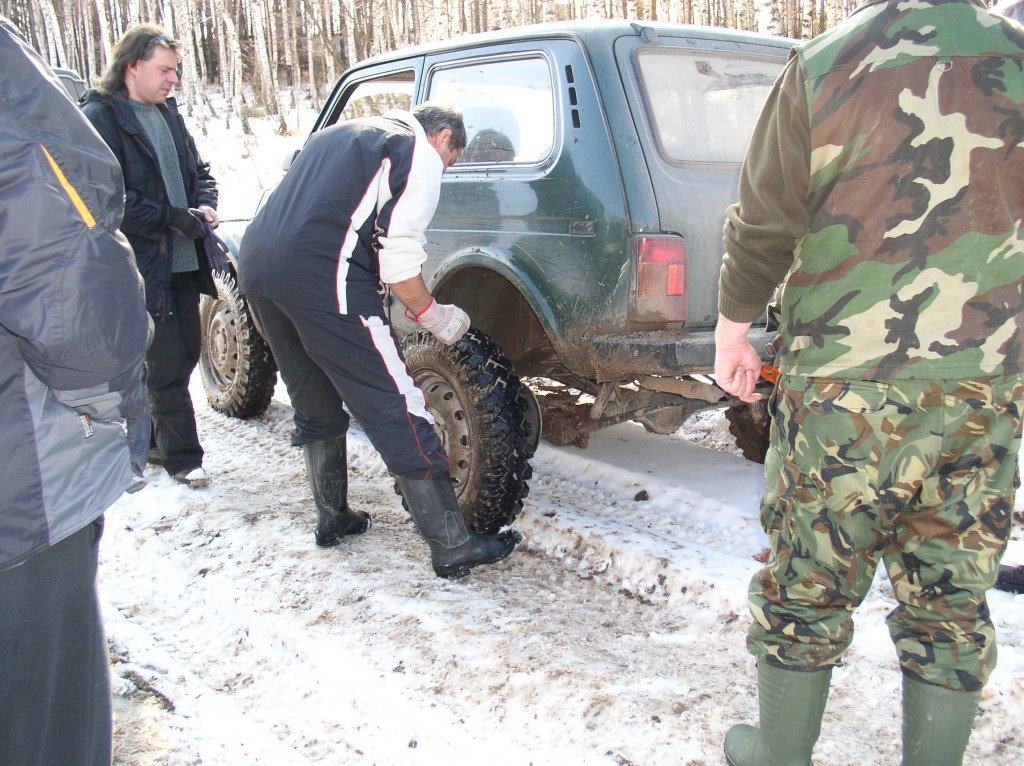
(581, 231)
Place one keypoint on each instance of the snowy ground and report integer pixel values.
(615, 635)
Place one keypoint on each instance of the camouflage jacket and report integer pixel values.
(885, 182)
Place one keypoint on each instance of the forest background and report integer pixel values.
(262, 51)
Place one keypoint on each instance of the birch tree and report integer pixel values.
(308, 43)
(267, 67)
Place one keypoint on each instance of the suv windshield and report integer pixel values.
(704, 105)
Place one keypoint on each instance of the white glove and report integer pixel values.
(447, 322)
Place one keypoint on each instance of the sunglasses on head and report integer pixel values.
(160, 38)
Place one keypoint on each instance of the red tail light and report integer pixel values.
(660, 279)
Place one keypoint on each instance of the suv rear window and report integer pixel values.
(703, 105)
(507, 105)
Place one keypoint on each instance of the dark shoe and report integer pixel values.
(791, 704)
(138, 484)
(454, 549)
(1011, 579)
(454, 563)
(327, 471)
(195, 478)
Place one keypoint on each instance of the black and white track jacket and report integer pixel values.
(350, 214)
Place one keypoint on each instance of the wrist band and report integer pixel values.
(416, 317)
(424, 311)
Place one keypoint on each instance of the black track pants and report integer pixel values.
(327, 360)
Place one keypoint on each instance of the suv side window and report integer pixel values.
(373, 97)
(508, 107)
(701, 102)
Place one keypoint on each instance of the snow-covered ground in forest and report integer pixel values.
(615, 635)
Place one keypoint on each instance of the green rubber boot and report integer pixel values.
(791, 703)
(936, 723)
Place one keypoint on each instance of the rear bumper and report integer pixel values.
(669, 353)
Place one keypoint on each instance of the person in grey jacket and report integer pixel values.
(73, 334)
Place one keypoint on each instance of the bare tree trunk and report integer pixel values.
(289, 18)
(415, 22)
(177, 19)
(775, 17)
(266, 95)
(809, 19)
(87, 46)
(310, 25)
(54, 43)
(444, 23)
(231, 61)
(106, 37)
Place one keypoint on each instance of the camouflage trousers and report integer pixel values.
(919, 474)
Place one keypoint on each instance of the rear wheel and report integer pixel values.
(750, 425)
(481, 416)
(236, 365)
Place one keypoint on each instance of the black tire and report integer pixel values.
(750, 426)
(236, 365)
(480, 416)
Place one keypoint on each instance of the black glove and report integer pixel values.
(186, 223)
(216, 251)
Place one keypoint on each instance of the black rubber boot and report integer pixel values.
(454, 549)
(327, 470)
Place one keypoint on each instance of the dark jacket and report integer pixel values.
(73, 324)
(147, 211)
(351, 212)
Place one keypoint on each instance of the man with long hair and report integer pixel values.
(170, 199)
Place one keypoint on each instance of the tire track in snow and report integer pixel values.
(274, 651)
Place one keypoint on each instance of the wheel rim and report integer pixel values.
(450, 423)
(534, 418)
(220, 347)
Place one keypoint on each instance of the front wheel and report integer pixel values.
(236, 365)
(480, 415)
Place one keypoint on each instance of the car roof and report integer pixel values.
(591, 32)
(62, 71)
(73, 82)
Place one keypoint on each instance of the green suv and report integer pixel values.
(581, 231)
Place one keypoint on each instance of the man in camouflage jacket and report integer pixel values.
(884, 187)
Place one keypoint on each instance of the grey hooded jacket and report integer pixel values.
(73, 323)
